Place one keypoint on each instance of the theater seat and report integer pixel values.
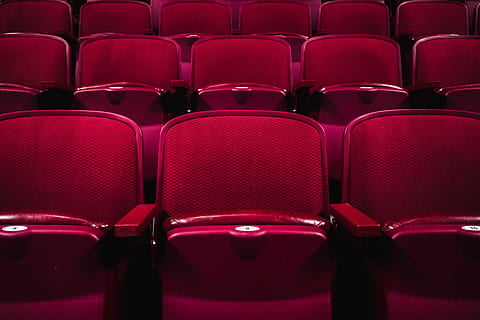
(354, 17)
(244, 194)
(411, 211)
(100, 16)
(70, 209)
(420, 18)
(285, 19)
(135, 76)
(445, 65)
(347, 76)
(39, 16)
(187, 22)
(32, 65)
(241, 72)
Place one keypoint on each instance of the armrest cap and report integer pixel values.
(134, 222)
(355, 221)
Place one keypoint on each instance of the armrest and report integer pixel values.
(49, 85)
(355, 221)
(304, 87)
(424, 86)
(407, 38)
(179, 86)
(134, 222)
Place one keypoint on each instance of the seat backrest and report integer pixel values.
(79, 164)
(431, 17)
(354, 16)
(241, 59)
(29, 59)
(406, 162)
(149, 60)
(476, 15)
(40, 16)
(229, 160)
(341, 59)
(448, 60)
(275, 17)
(131, 17)
(194, 18)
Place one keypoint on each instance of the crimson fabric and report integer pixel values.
(254, 60)
(68, 165)
(275, 17)
(41, 16)
(194, 18)
(242, 162)
(330, 60)
(244, 217)
(369, 17)
(423, 18)
(447, 60)
(411, 164)
(146, 60)
(131, 17)
(30, 59)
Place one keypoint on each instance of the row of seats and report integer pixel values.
(342, 77)
(242, 216)
(414, 18)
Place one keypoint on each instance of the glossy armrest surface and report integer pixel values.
(135, 222)
(355, 221)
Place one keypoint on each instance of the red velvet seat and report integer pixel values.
(420, 18)
(410, 193)
(242, 191)
(285, 19)
(134, 76)
(70, 192)
(241, 72)
(447, 65)
(186, 22)
(354, 16)
(131, 17)
(350, 75)
(30, 64)
(40, 16)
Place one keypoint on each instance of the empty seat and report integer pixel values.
(186, 22)
(350, 75)
(411, 201)
(194, 18)
(419, 18)
(239, 72)
(446, 64)
(242, 191)
(354, 16)
(39, 16)
(70, 191)
(289, 20)
(134, 76)
(131, 17)
(30, 64)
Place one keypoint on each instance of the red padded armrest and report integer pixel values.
(180, 85)
(358, 223)
(424, 86)
(134, 222)
(55, 85)
(303, 85)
